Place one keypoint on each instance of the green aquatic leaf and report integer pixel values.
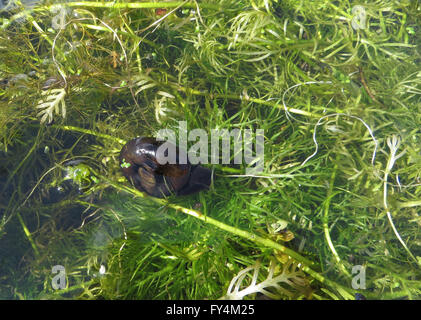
(53, 102)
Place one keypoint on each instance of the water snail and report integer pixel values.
(139, 162)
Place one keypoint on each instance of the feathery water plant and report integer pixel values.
(54, 102)
(331, 97)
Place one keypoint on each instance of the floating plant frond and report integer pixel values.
(54, 102)
(144, 83)
(286, 282)
(163, 110)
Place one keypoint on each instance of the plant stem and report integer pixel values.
(409, 204)
(88, 131)
(28, 234)
(393, 143)
(255, 100)
(326, 223)
(140, 5)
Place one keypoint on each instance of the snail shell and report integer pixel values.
(139, 164)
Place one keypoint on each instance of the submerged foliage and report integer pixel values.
(339, 105)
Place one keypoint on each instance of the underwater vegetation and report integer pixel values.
(334, 85)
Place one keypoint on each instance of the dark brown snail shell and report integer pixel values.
(139, 165)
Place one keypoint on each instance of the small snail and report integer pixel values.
(139, 164)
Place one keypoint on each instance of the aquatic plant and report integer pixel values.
(338, 97)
